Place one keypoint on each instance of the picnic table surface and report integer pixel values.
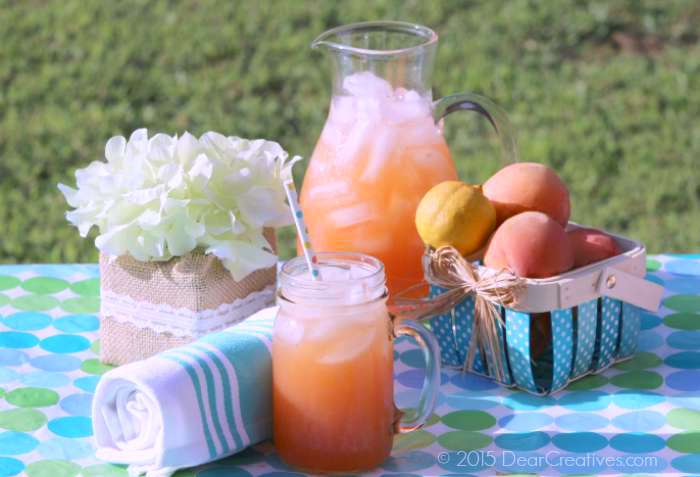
(640, 416)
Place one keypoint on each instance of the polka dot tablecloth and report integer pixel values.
(641, 416)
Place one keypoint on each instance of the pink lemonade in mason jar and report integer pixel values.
(332, 366)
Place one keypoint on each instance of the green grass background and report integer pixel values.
(606, 92)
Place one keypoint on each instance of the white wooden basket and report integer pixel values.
(593, 313)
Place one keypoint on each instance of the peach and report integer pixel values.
(591, 245)
(524, 186)
(531, 245)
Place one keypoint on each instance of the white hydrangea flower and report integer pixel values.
(162, 197)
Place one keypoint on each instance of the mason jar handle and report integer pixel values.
(487, 108)
(413, 419)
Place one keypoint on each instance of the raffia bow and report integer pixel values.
(446, 268)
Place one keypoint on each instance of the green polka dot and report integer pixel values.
(44, 285)
(638, 380)
(95, 347)
(591, 381)
(32, 397)
(34, 302)
(653, 265)
(4, 300)
(94, 366)
(686, 303)
(641, 360)
(682, 418)
(52, 468)
(105, 470)
(185, 473)
(8, 282)
(469, 420)
(683, 321)
(685, 442)
(83, 304)
(413, 440)
(22, 420)
(90, 287)
(463, 440)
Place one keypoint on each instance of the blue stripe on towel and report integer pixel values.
(255, 400)
(198, 392)
(228, 399)
(211, 392)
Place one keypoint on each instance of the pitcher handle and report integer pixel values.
(487, 108)
(407, 421)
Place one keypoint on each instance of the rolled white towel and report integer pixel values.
(189, 405)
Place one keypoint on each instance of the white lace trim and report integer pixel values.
(182, 321)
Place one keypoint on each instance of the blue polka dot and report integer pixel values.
(413, 358)
(525, 421)
(14, 443)
(77, 323)
(71, 426)
(65, 343)
(580, 441)
(686, 285)
(65, 449)
(224, 471)
(10, 466)
(654, 279)
(520, 462)
(637, 443)
(683, 267)
(684, 339)
(522, 441)
(688, 463)
(472, 382)
(27, 321)
(12, 357)
(522, 401)
(640, 421)
(472, 401)
(649, 340)
(631, 399)
(17, 339)
(688, 380)
(45, 379)
(576, 464)
(87, 383)
(53, 362)
(8, 375)
(649, 321)
(585, 400)
(684, 360)
(413, 378)
(581, 421)
(77, 404)
(409, 462)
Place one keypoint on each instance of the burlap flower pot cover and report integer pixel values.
(149, 307)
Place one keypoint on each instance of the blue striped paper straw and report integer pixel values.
(309, 255)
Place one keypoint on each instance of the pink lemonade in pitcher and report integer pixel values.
(379, 153)
(382, 148)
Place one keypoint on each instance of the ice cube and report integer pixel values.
(343, 110)
(354, 215)
(350, 347)
(385, 138)
(328, 190)
(367, 84)
(403, 111)
(289, 330)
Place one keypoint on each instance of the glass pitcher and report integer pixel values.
(382, 147)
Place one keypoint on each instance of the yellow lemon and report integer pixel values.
(457, 214)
